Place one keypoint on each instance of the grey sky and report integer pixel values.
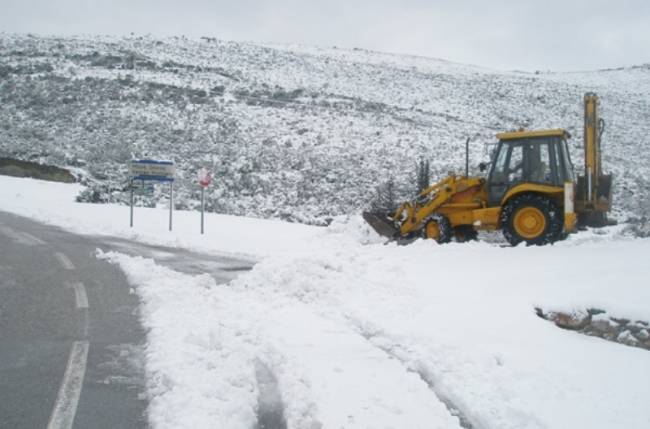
(503, 34)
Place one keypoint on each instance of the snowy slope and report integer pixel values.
(292, 132)
(359, 334)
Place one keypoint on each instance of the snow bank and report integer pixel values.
(199, 371)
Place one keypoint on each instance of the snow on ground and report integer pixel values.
(204, 341)
(53, 203)
(360, 334)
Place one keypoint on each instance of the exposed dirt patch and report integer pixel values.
(596, 322)
(18, 168)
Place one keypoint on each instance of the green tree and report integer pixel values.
(423, 174)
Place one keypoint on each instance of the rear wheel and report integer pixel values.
(532, 218)
(438, 228)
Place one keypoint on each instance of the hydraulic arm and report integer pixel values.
(594, 194)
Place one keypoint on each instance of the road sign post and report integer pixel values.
(202, 207)
(131, 186)
(205, 177)
(154, 171)
(171, 203)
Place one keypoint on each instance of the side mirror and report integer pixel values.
(483, 166)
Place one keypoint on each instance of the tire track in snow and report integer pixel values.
(270, 409)
(401, 354)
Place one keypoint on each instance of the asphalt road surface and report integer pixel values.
(71, 344)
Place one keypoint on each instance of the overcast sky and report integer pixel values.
(502, 34)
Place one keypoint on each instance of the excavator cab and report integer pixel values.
(537, 157)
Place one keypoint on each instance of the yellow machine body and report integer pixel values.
(463, 201)
(530, 192)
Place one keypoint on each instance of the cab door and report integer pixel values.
(507, 169)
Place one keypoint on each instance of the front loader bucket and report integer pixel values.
(381, 223)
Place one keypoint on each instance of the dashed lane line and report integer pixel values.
(9, 232)
(80, 296)
(81, 303)
(65, 407)
(34, 239)
(21, 237)
(64, 261)
(16, 236)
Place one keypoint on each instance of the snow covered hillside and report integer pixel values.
(357, 334)
(291, 132)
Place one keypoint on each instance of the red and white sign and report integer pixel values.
(205, 177)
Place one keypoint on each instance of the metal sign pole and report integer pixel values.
(131, 203)
(467, 157)
(202, 206)
(171, 203)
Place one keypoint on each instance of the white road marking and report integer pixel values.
(85, 322)
(34, 239)
(21, 237)
(64, 260)
(15, 236)
(80, 296)
(9, 232)
(81, 303)
(65, 407)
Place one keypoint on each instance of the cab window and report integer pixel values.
(522, 161)
(566, 161)
(538, 163)
(499, 171)
(516, 165)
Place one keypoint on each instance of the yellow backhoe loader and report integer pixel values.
(530, 192)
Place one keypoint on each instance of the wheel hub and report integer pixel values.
(432, 230)
(529, 222)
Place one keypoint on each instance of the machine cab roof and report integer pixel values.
(522, 134)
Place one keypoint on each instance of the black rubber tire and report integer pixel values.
(553, 230)
(446, 231)
(465, 233)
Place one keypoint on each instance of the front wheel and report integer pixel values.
(531, 218)
(438, 228)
